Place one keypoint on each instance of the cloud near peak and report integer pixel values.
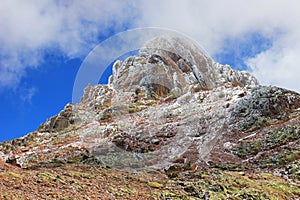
(74, 27)
(213, 22)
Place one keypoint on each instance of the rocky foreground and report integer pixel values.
(171, 124)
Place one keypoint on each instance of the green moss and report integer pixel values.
(217, 184)
(247, 148)
(155, 185)
(12, 175)
(49, 178)
(79, 174)
(281, 159)
(269, 140)
(134, 108)
(283, 135)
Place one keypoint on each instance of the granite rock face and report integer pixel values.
(170, 108)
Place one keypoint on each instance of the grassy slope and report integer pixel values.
(78, 181)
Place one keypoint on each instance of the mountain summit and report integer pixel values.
(171, 65)
(174, 110)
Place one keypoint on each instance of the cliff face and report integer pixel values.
(172, 65)
(175, 110)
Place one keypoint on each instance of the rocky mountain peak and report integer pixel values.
(173, 110)
(172, 66)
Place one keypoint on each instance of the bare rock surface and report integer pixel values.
(171, 65)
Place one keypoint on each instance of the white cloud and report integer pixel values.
(28, 28)
(279, 65)
(210, 22)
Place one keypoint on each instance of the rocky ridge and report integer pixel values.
(175, 110)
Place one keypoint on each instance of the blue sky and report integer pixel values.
(52, 85)
(43, 44)
(237, 50)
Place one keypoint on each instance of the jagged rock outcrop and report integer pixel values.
(170, 108)
(170, 66)
(59, 122)
(263, 106)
